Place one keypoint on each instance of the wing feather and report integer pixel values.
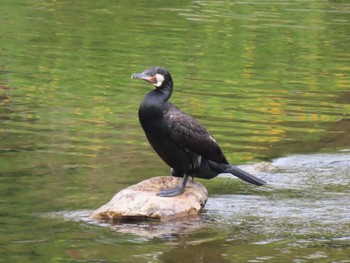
(187, 132)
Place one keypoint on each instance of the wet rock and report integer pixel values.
(140, 201)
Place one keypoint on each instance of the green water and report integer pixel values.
(269, 79)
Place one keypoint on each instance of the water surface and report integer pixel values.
(270, 79)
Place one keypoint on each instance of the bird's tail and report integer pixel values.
(244, 175)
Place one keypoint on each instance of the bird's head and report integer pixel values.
(157, 76)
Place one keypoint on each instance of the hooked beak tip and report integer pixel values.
(136, 76)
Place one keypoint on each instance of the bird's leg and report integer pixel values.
(175, 191)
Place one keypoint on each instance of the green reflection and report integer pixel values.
(268, 79)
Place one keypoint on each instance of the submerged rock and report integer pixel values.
(140, 201)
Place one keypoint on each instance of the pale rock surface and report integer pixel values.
(140, 201)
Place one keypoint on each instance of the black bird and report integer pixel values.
(179, 139)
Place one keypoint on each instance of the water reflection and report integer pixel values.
(269, 79)
(205, 252)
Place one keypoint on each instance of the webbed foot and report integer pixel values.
(171, 192)
(175, 191)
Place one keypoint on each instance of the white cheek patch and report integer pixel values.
(160, 79)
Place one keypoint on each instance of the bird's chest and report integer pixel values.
(156, 129)
(152, 119)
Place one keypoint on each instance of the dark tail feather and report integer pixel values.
(228, 168)
(244, 175)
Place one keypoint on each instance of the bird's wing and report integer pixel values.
(187, 132)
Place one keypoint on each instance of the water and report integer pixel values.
(270, 79)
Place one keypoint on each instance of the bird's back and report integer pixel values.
(192, 136)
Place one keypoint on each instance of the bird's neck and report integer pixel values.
(165, 90)
(152, 107)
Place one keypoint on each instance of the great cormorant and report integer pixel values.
(178, 138)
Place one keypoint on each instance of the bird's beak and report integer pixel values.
(140, 76)
(143, 76)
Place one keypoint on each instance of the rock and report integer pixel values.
(140, 201)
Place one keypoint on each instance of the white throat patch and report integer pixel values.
(160, 79)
